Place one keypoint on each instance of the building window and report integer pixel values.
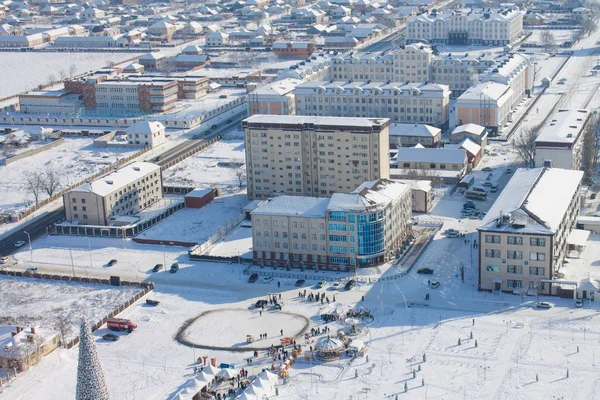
(514, 255)
(537, 256)
(492, 239)
(540, 242)
(492, 253)
(517, 240)
(74, 200)
(514, 269)
(513, 284)
(537, 270)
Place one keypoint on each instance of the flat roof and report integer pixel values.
(294, 120)
(416, 154)
(294, 206)
(564, 127)
(421, 130)
(117, 179)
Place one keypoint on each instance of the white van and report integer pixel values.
(494, 188)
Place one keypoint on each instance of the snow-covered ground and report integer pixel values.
(236, 243)
(74, 160)
(197, 225)
(22, 71)
(37, 302)
(216, 166)
(560, 35)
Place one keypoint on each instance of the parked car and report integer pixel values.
(434, 285)
(450, 231)
(261, 303)
(336, 286)
(253, 278)
(151, 302)
(31, 270)
(5, 260)
(112, 262)
(494, 188)
(20, 243)
(267, 279)
(350, 284)
(543, 304)
(174, 268)
(509, 170)
(593, 196)
(425, 271)
(120, 324)
(486, 169)
(321, 284)
(300, 282)
(157, 268)
(111, 336)
(453, 235)
(578, 303)
(487, 183)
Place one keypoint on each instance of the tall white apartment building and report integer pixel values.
(424, 103)
(124, 192)
(346, 231)
(461, 27)
(523, 237)
(313, 156)
(561, 140)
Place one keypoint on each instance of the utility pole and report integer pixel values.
(72, 263)
(90, 250)
(30, 250)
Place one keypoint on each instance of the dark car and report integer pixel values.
(350, 284)
(111, 336)
(300, 282)
(112, 262)
(425, 271)
(151, 302)
(157, 268)
(261, 303)
(253, 278)
(174, 268)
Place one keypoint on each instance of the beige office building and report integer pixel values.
(313, 156)
(523, 237)
(122, 193)
(362, 228)
(424, 103)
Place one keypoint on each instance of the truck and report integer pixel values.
(120, 324)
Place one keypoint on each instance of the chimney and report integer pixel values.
(547, 163)
(13, 333)
(18, 329)
(33, 330)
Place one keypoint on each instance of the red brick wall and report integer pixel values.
(144, 98)
(88, 90)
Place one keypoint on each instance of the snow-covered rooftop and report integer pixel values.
(297, 206)
(281, 120)
(121, 177)
(538, 198)
(279, 88)
(564, 127)
(426, 155)
(470, 128)
(146, 127)
(420, 130)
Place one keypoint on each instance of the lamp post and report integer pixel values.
(30, 249)
(164, 255)
(90, 250)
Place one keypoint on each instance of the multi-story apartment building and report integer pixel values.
(412, 63)
(514, 70)
(276, 98)
(523, 237)
(308, 156)
(157, 96)
(561, 141)
(460, 72)
(487, 104)
(124, 192)
(425, 103)
(346, 231)
(459, 27)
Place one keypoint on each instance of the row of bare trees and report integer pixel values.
(40, 182)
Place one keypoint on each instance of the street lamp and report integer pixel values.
(90, 250)
(30, 250)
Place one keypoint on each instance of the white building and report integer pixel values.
(487, 104)
(561, 141)
(217, 39)
(463, 27)
(410, 135)
(146, 133)
(50, 102)
(276, 98)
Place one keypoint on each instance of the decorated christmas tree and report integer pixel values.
(90, 378)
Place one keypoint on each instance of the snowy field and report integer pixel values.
(238, 242)
(23, 71)
(37, 302)
(74, 160)
(560, 35)
(197, 225)
(216, 166)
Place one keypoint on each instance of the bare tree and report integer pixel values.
(547, 41)
(525, 144)
(589, 148)
(72, 70)
(9, 150)
(432, 175)
(589, 24)
(64, 326)
(51, 181)
(34, 184)
(62, 74)
(51, 79)
(240, 173)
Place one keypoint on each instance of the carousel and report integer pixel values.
(329, 349)
(351, 328)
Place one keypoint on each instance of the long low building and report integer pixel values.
(561, 141)
(422, 103)
(410, 135)
(449, 165)
(348, 230)
(523, 237)
(50, 102)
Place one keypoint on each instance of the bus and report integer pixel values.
(476, 193)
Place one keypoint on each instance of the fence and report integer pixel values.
(32, 152)
(146, 288)
(191, 152)
(224, 230)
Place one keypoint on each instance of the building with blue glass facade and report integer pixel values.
(346, 231)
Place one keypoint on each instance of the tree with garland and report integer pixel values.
(90, 378)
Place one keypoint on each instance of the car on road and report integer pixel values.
(111, 337)
(494, 188)
(450, 231)
(350, 284)
(267, 279)
(5, 260)
(593, 196)
(487, 183)
(486, 169)
(300, 282)
(20, 243)
(543, 304)
(434, 285)
(151, 302)
(157, 268)
(578, 303)
(261, 303)
(31, 270)
(453, 234)
(321, 284)
(213, 127)
(509, 170)
(253, 278)
(425, 271)
(336, 286)
(112, 262)
(174, 268)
